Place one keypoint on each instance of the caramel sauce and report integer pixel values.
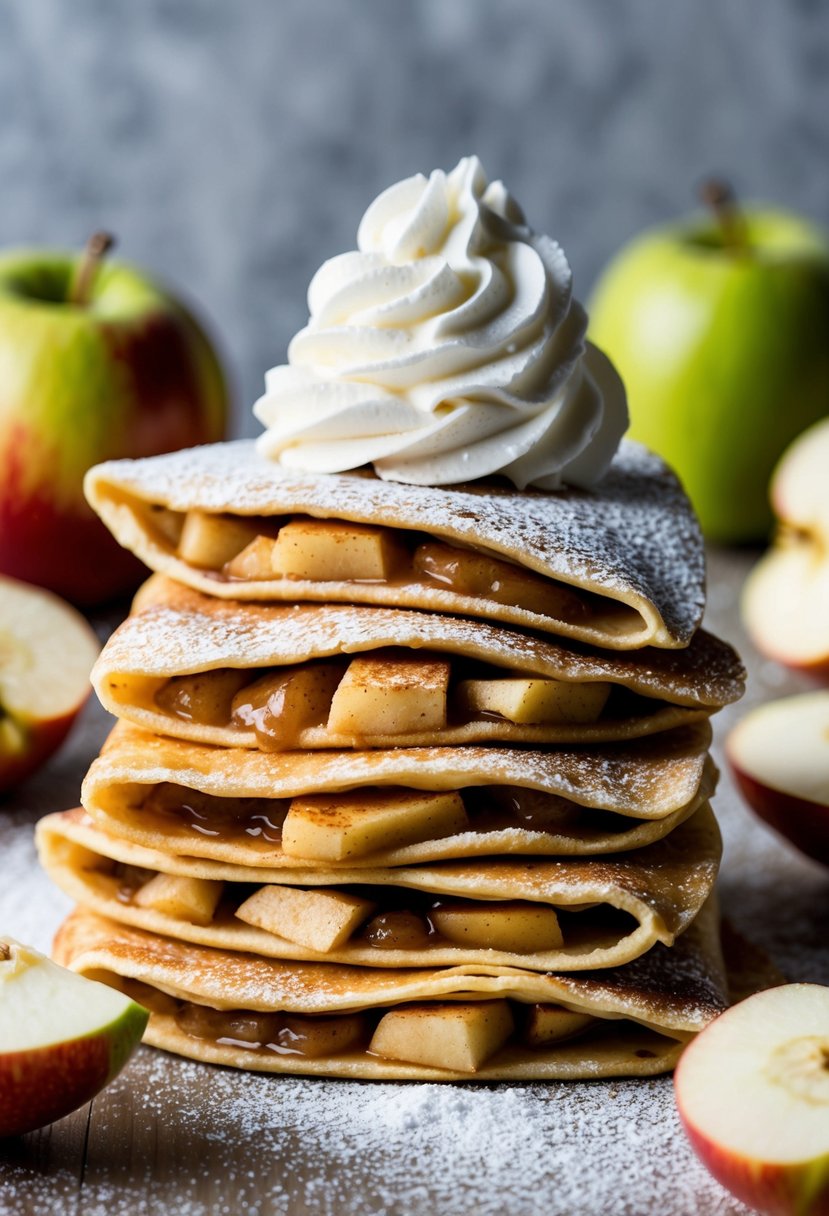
(311, 1035)
(227, 819)
(428, 562)
(490, 808)
(399, 929)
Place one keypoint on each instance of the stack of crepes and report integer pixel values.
(410, 777)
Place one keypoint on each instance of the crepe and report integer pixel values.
(606, 911)
(631, 550)
(175, 632)
(620, 798)
(640, 1015)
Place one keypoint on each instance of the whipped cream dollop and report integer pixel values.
(447, 347)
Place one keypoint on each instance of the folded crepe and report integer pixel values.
(541, 914)
(406, 806)
(281, 677)
(475, 1022)
(621, 566)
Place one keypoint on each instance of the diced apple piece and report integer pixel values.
(516, 925)
(319, 919)
(282, 704)
(168, 524)
(389, 693)
(552, 1023)
(334, 826)
(476, 574)
(460, 1037)
(192, 899)
(205, 697)
(523, 699)
(316, 1035)
(211, 540)
(254, 562)
(328, 550)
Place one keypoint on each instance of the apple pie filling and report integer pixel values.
(394, 692)
(353, 824)
(459, 1036)
(249, 548)
(383, 918)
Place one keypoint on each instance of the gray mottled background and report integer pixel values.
(233, 144)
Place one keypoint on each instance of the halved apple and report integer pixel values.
(46, 654)
(62, 1038)
(779, 754)
(786, 598)
(752, 1092)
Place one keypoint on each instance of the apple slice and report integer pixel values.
(786, 598)
(47, 650)
(779, 754)
(461, 1036)
(753, 1095)
(524, 699)
(328, 549)
(62, 1038)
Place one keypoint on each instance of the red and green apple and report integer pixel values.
(96, 361)
(62, 1038)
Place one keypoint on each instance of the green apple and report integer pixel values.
(46, 654)
(62, 1038)
(96, 361)
(720, 329)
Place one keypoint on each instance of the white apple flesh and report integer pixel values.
(62, 1038)
(779, 754)
(786, 598)
(752, 1091)
(47, 650)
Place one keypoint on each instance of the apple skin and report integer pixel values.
(38, 1087)
(769, 1189)
(724, 355)
(129, 374)
(42, 740)
(804, 823)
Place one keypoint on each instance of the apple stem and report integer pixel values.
(5, 952)
(720, 197)
(97, 247)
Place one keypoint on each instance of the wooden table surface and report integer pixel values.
(173, 1136)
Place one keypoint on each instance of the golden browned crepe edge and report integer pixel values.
(665, 1015)
(645, 779)
(175, 631)
(655, 569)
(642, 884)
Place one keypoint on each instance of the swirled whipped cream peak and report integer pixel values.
(447, 347)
